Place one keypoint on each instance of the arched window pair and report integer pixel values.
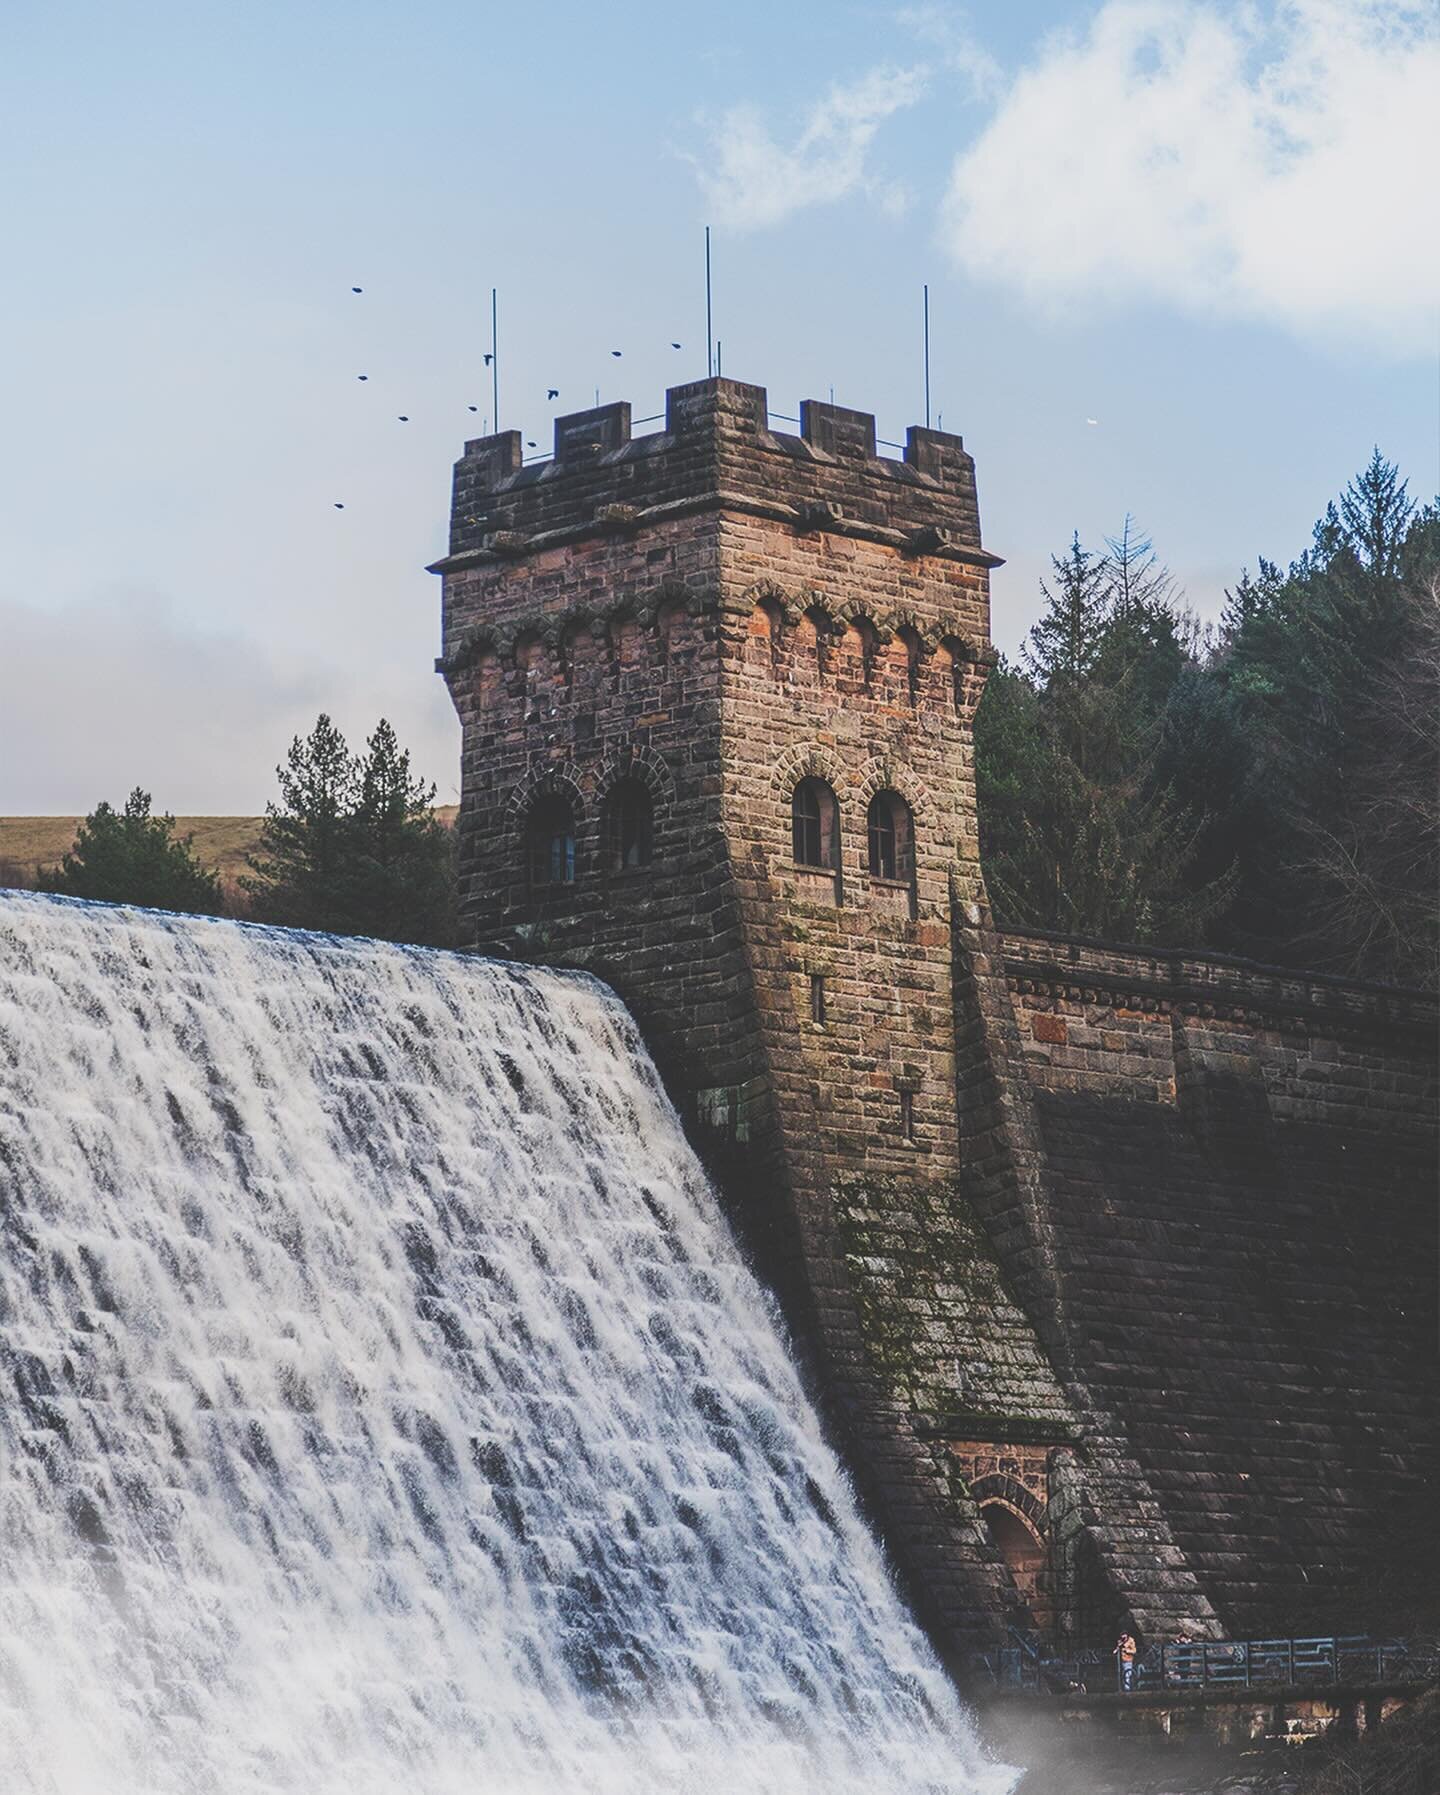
(815, 831)
(628, 834)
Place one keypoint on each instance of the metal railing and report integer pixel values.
(1220, 1664)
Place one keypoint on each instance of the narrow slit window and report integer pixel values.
(907, 1115)
(817, 998)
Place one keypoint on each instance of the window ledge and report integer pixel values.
(888, 884)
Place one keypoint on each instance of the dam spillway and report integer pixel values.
(387, 1404)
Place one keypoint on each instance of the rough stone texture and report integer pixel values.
(1239, 1166)
(952, 1183)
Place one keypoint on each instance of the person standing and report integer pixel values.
(1126, 1652)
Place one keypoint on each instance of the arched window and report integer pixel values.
(890, 837)
(550, 843)
(815, 824)
(629, 825)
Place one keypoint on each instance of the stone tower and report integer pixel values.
(717, 686)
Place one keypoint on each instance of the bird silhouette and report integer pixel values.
(617, 352)
(403, 419)
(472, 408)
(357, 289)
(489, 359)
(338, 505)
(674, 345)
(528, 443)
(362, 376)
(552, 392)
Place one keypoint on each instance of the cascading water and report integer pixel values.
(388, 1408)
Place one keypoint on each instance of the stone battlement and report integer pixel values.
(717, 450)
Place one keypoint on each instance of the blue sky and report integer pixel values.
(1208, 229)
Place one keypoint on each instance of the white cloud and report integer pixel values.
(951, 42)
(751, 181)
(1275, 167)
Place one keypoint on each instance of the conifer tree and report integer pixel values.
(1066, 640)
(302, 874)
(404, 877)
(132, 857)
(353, 846)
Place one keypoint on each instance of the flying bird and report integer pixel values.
(552, 392)
(357, 289)
(489, 358)
(403, 419)
(472, 408)
(338, 505)
(617, 352)
(674, 345)
(528, 443)
(362, 376)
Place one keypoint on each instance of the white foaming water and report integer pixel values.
(388, 1408)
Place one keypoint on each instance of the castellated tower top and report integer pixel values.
(716, 452)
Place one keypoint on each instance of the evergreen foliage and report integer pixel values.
(1272, 791)
(353, 846)
(131, 857)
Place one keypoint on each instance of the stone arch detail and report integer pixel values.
(644, 764)
(562, 780)
(877, 620)
(489, 639)
(882, 775)
(772, 592)
(811, 762)
(1009, 1492)
(673, 590)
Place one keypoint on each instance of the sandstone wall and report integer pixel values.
(1239, 1169)
(1107, 1267)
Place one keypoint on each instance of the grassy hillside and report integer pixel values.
(32, 844)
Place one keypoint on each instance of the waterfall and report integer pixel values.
(387, 1407)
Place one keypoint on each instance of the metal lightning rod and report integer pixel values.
(926, 291)
(709, 313)
(495, 357)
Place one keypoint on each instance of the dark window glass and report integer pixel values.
(813, 823)
(882, 838)
(631, 825)
(890, 837)
(817, 998)
(550, 843)
(807, 827)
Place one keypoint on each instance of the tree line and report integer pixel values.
(1267, 788)
(352, 846)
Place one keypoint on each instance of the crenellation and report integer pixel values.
(1006, 1188)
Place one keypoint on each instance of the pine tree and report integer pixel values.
(353, 847)
(1066, 640)
(302, 874)
(132, 857)
(1324, 668)
(404, 876)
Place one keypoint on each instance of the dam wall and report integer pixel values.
(1108, 1269)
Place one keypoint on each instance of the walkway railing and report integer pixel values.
(1220, 1664)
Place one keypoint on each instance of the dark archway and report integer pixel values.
(1022, 1548)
